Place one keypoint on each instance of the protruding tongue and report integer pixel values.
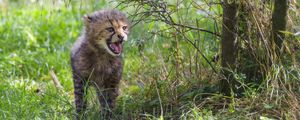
(117, 46)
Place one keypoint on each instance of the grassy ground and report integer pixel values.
(36, 37)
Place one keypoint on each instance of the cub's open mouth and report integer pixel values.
(115, 47)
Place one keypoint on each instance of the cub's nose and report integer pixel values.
(121, 37)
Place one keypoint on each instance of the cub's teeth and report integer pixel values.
(113, 49)
(110, 46)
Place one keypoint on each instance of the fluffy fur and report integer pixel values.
(96, 58)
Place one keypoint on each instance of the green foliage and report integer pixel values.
(165, 76)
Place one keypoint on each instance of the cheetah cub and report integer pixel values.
(96, 59)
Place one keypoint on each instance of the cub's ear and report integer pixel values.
(88, 19)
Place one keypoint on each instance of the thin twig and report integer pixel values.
(55, 80)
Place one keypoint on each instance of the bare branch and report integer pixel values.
(55, 80)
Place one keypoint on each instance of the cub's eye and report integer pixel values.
(110, 29)
(124, 27)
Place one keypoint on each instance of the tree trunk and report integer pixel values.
(279, 19)
(229, 45)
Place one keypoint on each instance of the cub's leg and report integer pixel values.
(80, 88)
(107, 98)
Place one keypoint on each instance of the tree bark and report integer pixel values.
(279, 20)
(229, 45)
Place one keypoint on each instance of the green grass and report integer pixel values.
(37, 38)
(163, 78)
